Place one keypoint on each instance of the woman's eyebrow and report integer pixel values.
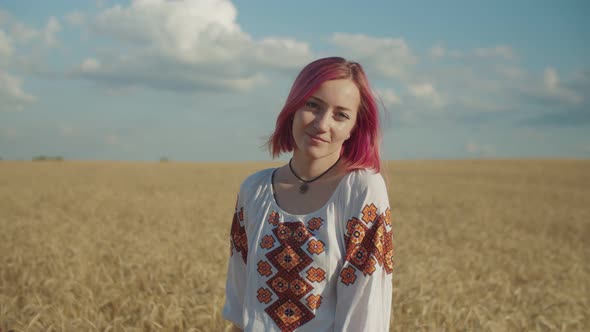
(342, 108)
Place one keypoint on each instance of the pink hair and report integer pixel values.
(361, 150)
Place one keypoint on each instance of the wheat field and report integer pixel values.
(480, 245)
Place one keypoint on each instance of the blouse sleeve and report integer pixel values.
(236, 272)
(364, 289)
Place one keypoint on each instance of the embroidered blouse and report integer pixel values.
(329, 270)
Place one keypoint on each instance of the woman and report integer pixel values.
(311, 241)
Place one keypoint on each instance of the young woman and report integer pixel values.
(311, 241)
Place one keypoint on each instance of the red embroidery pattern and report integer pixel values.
(315, 223)
(264, 268)
(289, 259)
(348, 275)
(290, 315)
(387, 243)
(301, 234)
(239, 240)
(267, 242)
(264, 295)
(368, 247)
(369, 213)
(231, 247)
(314, 301)
(388, 249)
(315, 247)
(388, 217)
(273, 218)
(316, 274)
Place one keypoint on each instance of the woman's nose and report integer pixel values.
(322, 121)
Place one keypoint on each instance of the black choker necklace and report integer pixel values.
(303, 188)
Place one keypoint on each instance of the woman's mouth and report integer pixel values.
(317, 139)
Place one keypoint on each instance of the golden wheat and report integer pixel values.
(105, 246)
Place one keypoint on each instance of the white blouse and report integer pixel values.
(329, 270)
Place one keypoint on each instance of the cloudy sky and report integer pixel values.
(204, 80)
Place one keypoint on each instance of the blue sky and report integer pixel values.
(204, 80)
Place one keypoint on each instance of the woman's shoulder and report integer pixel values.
(364, 187)
(256, 180)
(366, 179)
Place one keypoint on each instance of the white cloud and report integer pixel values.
(502, 51)
(551, 89)
(181, 27)
(6, 49)
(23, 33)
(100, 3)
(437, 51)
(388, 97)
(510, 72)
(90, 65)
(386, 57)
(186, 46)
(12, 96)
(428, 93)
(282, 53)
(480, 150)
(478, 103)
(51, 29)
(417, 102)
(472, 89)
(76, 18)
(551, 79)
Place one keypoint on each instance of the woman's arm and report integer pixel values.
(237, 268)
(364, 288)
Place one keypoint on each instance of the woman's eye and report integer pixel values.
(343, 115)
(312, 104)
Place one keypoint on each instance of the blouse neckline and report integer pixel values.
(302, 216)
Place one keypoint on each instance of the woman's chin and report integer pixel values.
(314, 152)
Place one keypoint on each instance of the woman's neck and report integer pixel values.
(308, 168)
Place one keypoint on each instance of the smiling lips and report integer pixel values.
(317, 139)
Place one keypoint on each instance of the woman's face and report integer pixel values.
(326, 119)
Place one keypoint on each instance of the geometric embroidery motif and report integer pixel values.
(315, 246)
(289, 258)
(314, 301)
(241, 214)
(267, 242)
(238, 238)
(369, 213)
(348, 275)
(315, 223)
(273, 218)
(264, 268)
(264, 295)
(368, 247)
(316, 274)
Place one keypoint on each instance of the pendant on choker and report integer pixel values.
(303, 188)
